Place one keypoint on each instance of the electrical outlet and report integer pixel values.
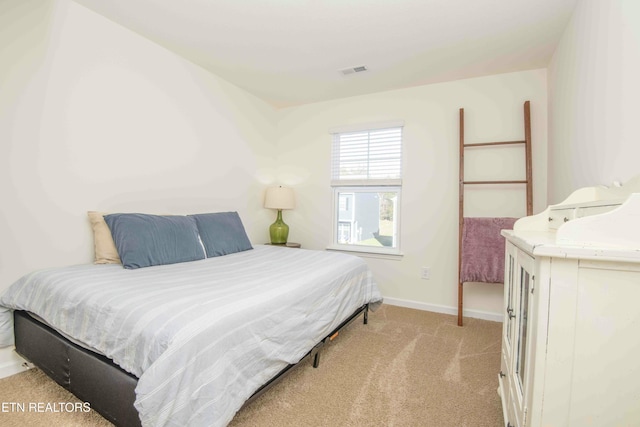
(425, 273)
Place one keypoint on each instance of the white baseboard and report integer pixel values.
(476, 314)
(10, 362)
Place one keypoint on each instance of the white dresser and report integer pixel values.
(571, 332)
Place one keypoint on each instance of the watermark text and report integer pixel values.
(51, 407)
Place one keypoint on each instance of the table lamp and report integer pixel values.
(279, 198)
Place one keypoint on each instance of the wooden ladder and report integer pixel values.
(462, 183)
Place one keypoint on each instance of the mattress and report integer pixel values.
(201, 336)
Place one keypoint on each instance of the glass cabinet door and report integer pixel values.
(517, 333)
(523, 315)
(521, 323)
(508, 335)
(510, 298)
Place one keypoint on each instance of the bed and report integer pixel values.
(188, 343)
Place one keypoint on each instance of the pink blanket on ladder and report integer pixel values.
(483, 249)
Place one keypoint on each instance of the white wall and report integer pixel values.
(95, 117)
(593, 93)
(493, 112)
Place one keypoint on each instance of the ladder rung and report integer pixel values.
(495, 182)
(484, 144)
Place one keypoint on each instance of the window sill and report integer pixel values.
(366, 252)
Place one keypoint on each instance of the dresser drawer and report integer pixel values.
(557, 217)
(594, 210)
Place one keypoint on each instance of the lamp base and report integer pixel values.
(279, 231)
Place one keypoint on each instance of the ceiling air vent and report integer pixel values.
(351, 70)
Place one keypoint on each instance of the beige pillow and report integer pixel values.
(105, 248)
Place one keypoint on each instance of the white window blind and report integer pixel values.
(369, 157)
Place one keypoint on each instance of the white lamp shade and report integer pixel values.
(279, 198)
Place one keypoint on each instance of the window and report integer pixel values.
(366, 177)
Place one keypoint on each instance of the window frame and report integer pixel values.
(353, 247)
(366, 186)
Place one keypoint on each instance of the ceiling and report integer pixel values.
(290, 52)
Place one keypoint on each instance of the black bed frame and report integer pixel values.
(96, 379)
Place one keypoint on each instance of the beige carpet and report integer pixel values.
(405, 368)
(33, 390)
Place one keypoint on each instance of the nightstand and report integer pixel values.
(286, 245)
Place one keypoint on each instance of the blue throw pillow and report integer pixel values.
(144, 240)
(222, 233)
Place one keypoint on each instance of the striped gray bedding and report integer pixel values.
(201, 336)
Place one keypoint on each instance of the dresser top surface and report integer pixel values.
(593, 222)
